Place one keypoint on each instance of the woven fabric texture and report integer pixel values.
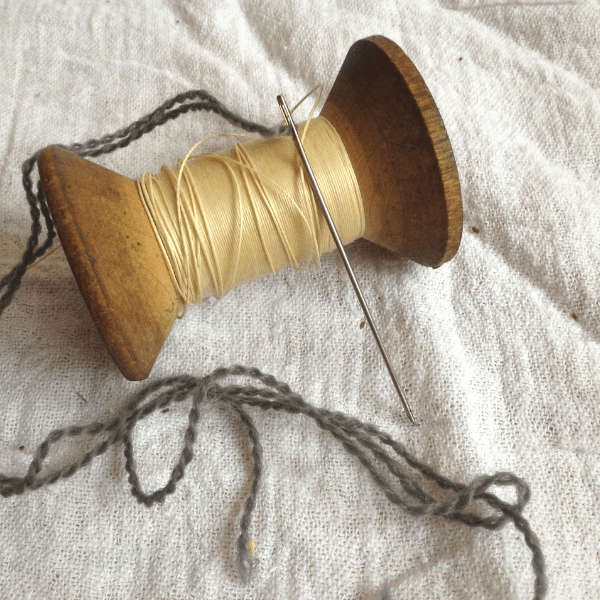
(498, 350)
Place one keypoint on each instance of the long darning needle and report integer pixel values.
(290, 122)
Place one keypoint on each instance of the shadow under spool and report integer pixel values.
(399, 149)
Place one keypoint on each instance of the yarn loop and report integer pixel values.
(364, 441)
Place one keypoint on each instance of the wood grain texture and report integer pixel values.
(399, 150)
(114, 255)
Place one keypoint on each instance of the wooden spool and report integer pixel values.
(398, 147)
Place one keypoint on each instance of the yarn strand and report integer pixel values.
(361, 440)
(192, 100)
(364, 441)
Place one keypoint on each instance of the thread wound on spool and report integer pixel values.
(249, 211)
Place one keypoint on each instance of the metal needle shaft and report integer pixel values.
(290, 122)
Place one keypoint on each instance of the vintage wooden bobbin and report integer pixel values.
(398, 148)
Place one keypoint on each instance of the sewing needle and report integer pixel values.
(290, 122)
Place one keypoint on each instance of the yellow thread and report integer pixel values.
(251, 546)
(44, 257)
(225, 218)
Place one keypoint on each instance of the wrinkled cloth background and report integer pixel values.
(498, 350)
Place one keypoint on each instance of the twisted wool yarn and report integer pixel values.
(385, 459)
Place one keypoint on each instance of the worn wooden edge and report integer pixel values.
(440, 141)
(133, 328)
(376, 85)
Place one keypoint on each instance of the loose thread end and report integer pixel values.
(246, 563)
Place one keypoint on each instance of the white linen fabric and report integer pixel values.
(498, 350)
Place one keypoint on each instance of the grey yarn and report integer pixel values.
(192, 100)
(390, 465)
